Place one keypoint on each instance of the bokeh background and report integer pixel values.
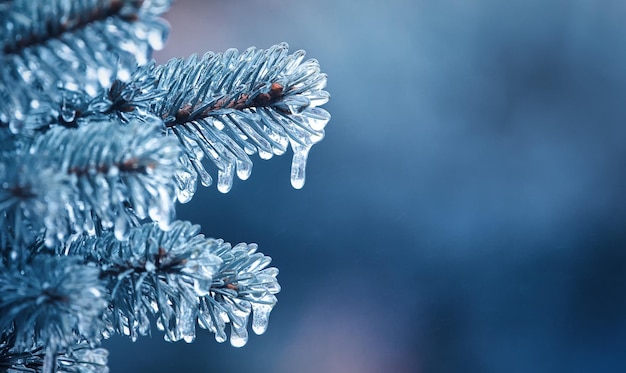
(465, 212)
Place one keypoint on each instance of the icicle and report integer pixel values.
(239, 334)
(244, 168)
(260, 317)
(186, 180)
(265, 155)
(225, 178)
(186, 326)
(298, 164)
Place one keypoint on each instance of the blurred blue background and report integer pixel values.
(465, 212)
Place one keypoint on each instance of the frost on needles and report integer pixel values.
(97, 144)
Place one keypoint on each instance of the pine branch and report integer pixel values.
(153, 273)
(51, 301)
(242, 286)
(103, 174)
(51, 46)
(95, 141)
(179, 277)
(228, 106)
(80, 358)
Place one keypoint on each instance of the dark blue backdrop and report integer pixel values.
(466, 211)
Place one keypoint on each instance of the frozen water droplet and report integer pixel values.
(238, 335)
(319, 98)
(184, 195)
(225, 178)
(220, 336)
(150, 267)
(162, 211)
(157, 35)
(244, 168)
(205, 178)
(186, 181)
(189, 338)
(202, 287)
(298, 164)
(265, 155)
(121, 227)
(104, 76)
(114, 171)
(260, 317)
(123, 74)
(297, 104)
(68, 114)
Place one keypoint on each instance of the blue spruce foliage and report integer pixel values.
(97, 144)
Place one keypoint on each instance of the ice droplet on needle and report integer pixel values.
(298, 164)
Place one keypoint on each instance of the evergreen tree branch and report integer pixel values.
(243, 285)
(80, 358)
(29, 23)
(51, 47)
(51, 301)
(104, 174)
(228, 106)
(153, 273)
(94, 141)
(179, 276)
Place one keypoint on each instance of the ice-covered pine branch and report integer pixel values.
(102, 175)
(50, 303)
(97, 143)
(54, 46)
(81, 359)
(228, 106)
(180, 277)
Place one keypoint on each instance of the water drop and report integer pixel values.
(121, 227)
(205, 178)
(186, 182)
(319, 98)
(238, 335)
(260, 317)
(244, 168)
(265, 155)
(150, 267)
(220, 336)
(157, 35)
(189, 338)
(68, 114)
(104, 76)
(225, 178)
(298, 164)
